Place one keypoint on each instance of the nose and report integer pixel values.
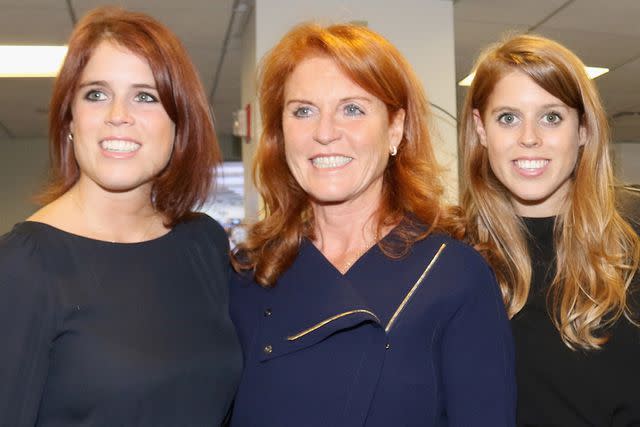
(326, 130)
(529, 136)
(119, 113)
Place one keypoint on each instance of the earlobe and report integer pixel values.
(70, 132)
(396, 129)
(477, 121)
(582, 135)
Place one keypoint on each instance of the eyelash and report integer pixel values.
(501, 118)
(302, 112)
(152, 97)
(557, 115)
(358, 111)
(89, 96)
(350, 110)
(558, 118)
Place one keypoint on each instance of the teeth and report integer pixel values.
(330, 161)
(531, 164)
(119, 146)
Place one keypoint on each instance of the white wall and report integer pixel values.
(23, 169)
(248, 96)
(626, 156)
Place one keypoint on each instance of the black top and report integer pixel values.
(561, 387)
(113, 334)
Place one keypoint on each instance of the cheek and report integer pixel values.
(494, 154)
(293, 157)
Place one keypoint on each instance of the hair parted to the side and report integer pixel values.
(188, 178)
(412, 189)
(597, 251)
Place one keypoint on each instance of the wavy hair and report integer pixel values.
(186, 181)
(412, 189)
(597, 251)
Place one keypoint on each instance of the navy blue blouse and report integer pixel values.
(418, 341)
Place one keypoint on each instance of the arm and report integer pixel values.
(26, 327)
(478, 358)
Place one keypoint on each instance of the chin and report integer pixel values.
(121, 186)
(327, 199)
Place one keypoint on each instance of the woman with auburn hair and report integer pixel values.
(352, 303)
(114, 295)
(540, 206)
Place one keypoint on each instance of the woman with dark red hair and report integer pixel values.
(353, 304)
(113, 296)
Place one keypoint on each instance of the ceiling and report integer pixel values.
(601, 33)
(209, 29)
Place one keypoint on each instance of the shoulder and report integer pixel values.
(453, 250)
(454, 253)
(461, 272)
(20, 247)
(202, 226)
(628, 203)
(22, 262)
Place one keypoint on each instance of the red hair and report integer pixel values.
(412, 189)
(187, 180)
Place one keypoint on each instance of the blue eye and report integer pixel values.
(95, 95)
(353, 110)
(302, 112)
(552, 118)
(507, 119)
(145, 97)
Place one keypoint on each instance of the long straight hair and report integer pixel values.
(597, 251)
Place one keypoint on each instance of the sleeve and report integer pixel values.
(26, 327)
(478, 357)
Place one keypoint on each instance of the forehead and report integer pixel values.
(518, 89)
(320, 76)
(113, 62)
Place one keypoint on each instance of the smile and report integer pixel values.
(119, 146)
(531, 164)
(325, 162)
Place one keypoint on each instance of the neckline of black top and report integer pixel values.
(48, 228)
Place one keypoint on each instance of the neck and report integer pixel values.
(345, 231)
(93, 212)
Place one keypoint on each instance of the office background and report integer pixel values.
(226, 39)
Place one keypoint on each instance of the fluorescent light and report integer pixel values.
(592, 72)
(31, 61)
(467, 80)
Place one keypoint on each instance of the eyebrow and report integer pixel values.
(543, 107)
(342, 100)
(104, 83)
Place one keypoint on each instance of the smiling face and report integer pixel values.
(337, 136)
(532, 140)
(122, 135)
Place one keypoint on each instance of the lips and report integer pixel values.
(325, 162)
(119, 146)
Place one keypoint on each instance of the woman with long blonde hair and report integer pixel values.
(540, 206)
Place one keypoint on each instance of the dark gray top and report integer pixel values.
(111, 334)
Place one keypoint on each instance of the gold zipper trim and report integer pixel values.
(329, 320)
(414, 288)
